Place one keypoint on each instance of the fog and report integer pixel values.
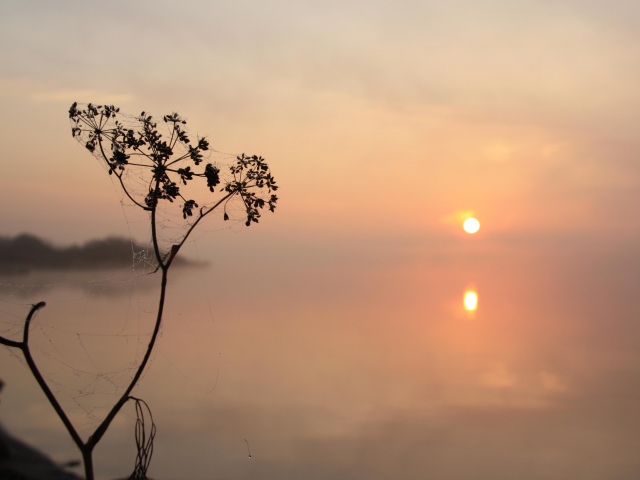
(332, 335)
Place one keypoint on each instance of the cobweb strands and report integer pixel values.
(175, 184)
(91, 336)
(162, 171)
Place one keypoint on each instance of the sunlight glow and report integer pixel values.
(471, 225)
(471, 301)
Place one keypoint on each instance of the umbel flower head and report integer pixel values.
(154, 168)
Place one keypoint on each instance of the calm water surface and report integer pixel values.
(349, 359)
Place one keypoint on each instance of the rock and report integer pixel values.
(22, 462)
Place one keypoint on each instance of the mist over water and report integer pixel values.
(331, 340)
(366, 368)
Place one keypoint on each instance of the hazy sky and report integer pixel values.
(376, 116)
(383, 122)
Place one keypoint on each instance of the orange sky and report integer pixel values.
(377, 118)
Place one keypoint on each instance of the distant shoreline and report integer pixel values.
(25, 253)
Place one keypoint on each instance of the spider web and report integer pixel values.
(137, 178)
(93, 333)
(89, 338)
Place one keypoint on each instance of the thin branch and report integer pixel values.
(119, 176)
(200, 217)
(183, 157)
(154, 235)
(34, 309)
(24, 346)
(139, 164)
(10, 343)
(102, 428)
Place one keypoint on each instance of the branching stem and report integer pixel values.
(24, 346)
(158, 154)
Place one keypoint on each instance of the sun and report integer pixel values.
(471, 225)
(471, 300)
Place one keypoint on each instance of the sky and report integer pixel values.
(385, 125)
(377, 117)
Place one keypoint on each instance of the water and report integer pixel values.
(354, 360)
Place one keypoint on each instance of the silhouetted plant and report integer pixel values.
(137, 154)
